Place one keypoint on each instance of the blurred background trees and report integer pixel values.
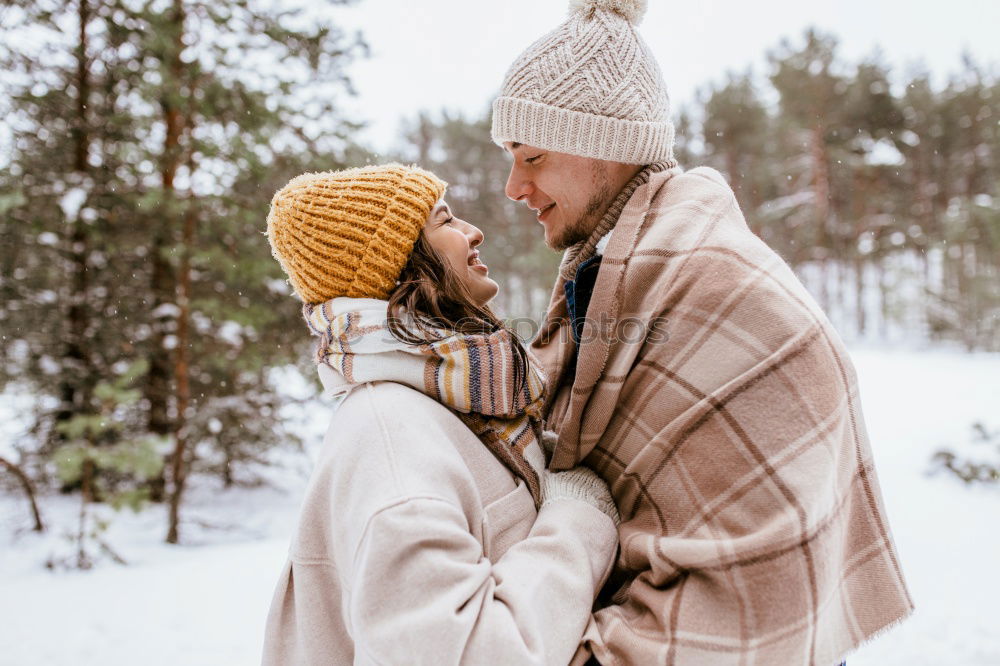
(880, 191)
(146, 140)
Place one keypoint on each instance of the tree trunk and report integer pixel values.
(753, 204)
(965, 298)
(176, 124)
(227, 466)
(80, 132)
(859, 294)
(859, 200)
(157, 385)
(735, 178)
(164, 280)
(29, 491)
(86, 497)
(76, 380)
(883, 291)
(182, 374)
(821, 190)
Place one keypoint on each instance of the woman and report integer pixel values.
(430, 532)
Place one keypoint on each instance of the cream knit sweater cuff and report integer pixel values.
(579, 484)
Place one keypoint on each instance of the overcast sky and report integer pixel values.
(429, 54)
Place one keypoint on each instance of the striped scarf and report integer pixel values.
(473, 375)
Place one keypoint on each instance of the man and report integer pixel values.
(729, 427)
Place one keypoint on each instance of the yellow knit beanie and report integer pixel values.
(350, 232)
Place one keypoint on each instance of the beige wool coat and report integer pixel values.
(721, 407)
(415, 545)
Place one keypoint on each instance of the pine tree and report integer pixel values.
(190, 115)
(811, 91)
(737, 130)
(872, 213)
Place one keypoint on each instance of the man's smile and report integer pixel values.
(544, 210)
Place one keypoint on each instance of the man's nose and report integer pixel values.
(517, 186)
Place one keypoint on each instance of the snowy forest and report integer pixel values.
(148, 336)
(878, 188)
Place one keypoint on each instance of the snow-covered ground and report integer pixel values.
(205, 602)
(947, 534)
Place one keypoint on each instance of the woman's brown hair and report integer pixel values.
(430, 303)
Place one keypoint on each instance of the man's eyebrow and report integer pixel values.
(514, 145)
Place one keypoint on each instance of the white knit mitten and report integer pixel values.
(579, 484)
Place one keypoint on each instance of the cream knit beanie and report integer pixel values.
(591, 87)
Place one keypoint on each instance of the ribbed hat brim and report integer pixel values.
(583, 134)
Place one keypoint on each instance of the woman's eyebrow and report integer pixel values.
(439, 215)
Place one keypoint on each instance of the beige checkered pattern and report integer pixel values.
(753, 530)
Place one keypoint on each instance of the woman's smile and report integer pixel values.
(476, 262)
(456, 241)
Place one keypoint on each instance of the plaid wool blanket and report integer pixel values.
(473, 375)
(717, 401)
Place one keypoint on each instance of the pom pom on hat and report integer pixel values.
(631, 10)
(589, 88)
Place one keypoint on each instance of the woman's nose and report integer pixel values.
(475, 236)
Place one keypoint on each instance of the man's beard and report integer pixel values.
(581, 228)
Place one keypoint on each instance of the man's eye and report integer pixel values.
(531, 160)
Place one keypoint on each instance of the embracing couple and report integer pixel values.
(705, 495)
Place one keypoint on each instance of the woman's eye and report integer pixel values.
(449, 220)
